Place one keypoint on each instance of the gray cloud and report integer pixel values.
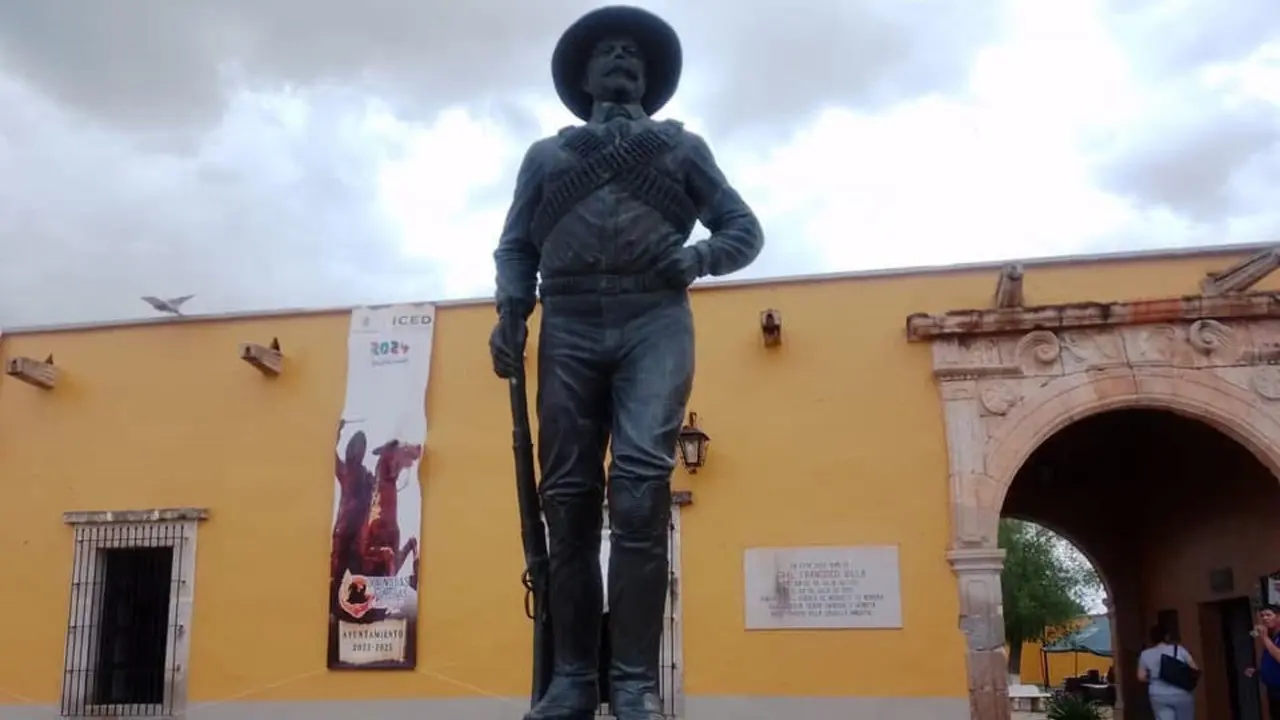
(1176, 38)
(152, 63)
(783, 62)
(142, 154)
(156, 63)
(262, 215)
(1204, 158)
(143, 149)
(1198, 156)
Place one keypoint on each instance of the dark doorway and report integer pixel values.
(1173, 514)
(1237, 621)
(134, 625)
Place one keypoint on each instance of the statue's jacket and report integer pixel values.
(615, 200)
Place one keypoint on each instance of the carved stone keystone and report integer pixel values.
(1009, 287)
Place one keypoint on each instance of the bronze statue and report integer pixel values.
(602, 212)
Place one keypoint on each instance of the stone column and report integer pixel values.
(982, 622)
(1110, 605)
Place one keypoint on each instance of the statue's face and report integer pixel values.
(615, 71)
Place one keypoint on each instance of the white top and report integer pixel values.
(1150, 661)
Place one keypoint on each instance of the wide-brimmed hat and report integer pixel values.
(657, 40)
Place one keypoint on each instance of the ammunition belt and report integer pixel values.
(630, 164)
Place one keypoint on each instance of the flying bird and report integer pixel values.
(170, 305)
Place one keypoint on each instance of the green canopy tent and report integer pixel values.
(1093, 637)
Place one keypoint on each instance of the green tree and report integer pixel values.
(1045, 585)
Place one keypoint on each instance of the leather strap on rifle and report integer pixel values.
(630, 164)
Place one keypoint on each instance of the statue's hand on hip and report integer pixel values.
(506, 345)
(680, 267)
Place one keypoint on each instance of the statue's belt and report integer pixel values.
(604, 284)
(629, 163)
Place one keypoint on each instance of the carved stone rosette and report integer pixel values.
(1005, 391)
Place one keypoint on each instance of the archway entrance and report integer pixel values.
(1011, 378)
(1181, 522)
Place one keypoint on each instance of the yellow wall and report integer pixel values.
(1061, 665)
(834, 438)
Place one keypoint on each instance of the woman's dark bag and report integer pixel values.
(1177, 672)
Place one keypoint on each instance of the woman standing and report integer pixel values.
(1168, 701)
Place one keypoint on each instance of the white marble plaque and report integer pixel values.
(823, 587)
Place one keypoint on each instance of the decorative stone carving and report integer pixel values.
(1152, 344)
(982, 351)
(1210, 337)
(998, 398)
(1091, 349)
(1266, 382)
(1259, 342)
(1263, 354)
(969, 360)
(1037, 352)
(1040, 345)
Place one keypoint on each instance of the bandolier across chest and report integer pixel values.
(630, 164)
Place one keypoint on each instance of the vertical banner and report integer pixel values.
(377, 514)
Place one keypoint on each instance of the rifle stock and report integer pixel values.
(533, 535)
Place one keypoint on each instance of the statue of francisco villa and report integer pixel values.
(602, 212)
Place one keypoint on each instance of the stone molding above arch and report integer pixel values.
(1004, 394)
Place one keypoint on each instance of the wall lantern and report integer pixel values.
(693, 445)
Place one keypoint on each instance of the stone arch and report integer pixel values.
(1010, 377)
(1083, 548)
(1105, 577)
(1197, 394)
(1201, 394)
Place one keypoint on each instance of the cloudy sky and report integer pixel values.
(283, 153)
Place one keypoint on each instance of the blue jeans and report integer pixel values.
(1173, 707)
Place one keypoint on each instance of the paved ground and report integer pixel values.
(1040, 716)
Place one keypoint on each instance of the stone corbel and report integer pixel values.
(1009, 287)
(36, 373)
(1243, 275)
(266, 359)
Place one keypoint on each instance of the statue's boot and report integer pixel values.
(565, 700)
(575, 598)
(637, 603)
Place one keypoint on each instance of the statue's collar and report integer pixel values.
(606, 111)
